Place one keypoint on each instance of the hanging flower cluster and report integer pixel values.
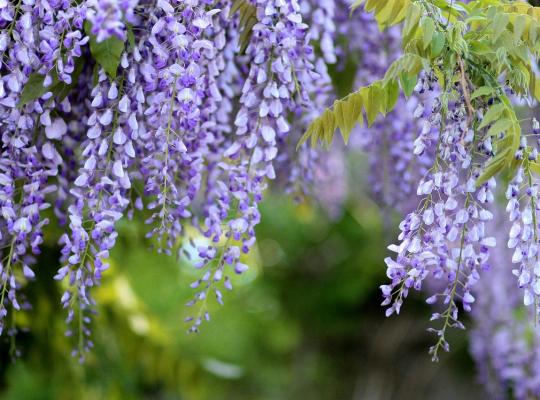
(503, 341)
(161, 107)
(464, 134)
(445, 238)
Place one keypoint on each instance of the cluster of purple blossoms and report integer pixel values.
(29, 162)
(503, 341)
(305, 171)
(522, 195)
(523, 212)
(150, 108)
(274, 88)
(445, 238)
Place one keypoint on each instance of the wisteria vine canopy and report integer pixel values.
(184, 111)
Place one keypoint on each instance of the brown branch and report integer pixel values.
(465, 88)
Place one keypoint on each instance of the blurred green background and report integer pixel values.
(303, 323)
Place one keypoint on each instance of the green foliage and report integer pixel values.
(378, 98)
(473, 45)
(388, 13)
(34, 88)
(106, 53)
(248, 19)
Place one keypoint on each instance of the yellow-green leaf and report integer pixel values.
(519, 24)
(437, 44)
(392, 94)
(535, 167)
(494, 112)
(482, 91)
(411, 22)
(372, 97)
(428, 27)
(501, 125)
(408, 83)
(493, 167)
(499, 25)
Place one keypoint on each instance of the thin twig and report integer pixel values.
(465, 88)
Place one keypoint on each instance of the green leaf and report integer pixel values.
(482, 91)
(309, 132)
(428, 26)
(519, 26)
(533, 32)
(34, 89)
(501, 125)
(493, 167)
(411, 23)
(493, 113)
(380, 97)
(535, 86)
(106, 53)
(347, 113)
(499, 25)
(130, 35)
(372, 97)
(327, 126)
(392, 94)
(392, 13)
(375, 5)
(475, 18)
(408, 83)
(437, 44)
(341, 115)
(248, 19)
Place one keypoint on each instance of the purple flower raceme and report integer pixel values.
(99, 197)
(274, 87)
(303, 171)
(504, 341)
(322, 26)
(177, 86)
(27, 163)
(445, 237)
(523, 212)
(61, 39)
